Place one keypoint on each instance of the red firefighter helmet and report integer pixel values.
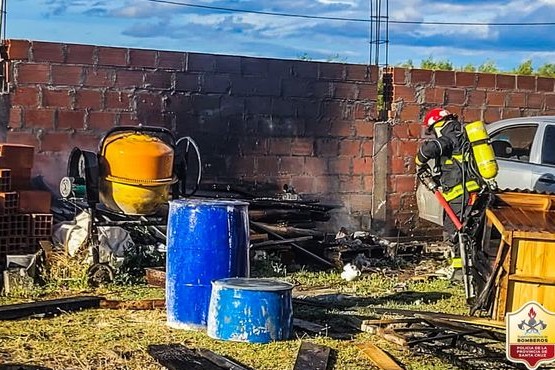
(434, 116)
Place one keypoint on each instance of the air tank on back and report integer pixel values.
(482, 149)
(136, 172)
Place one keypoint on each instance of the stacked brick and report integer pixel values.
(25, 217)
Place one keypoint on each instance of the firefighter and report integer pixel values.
(446, 148)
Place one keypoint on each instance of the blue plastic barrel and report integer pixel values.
(250, 310)
(207, 240)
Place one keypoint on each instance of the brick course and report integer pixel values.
(256, 120)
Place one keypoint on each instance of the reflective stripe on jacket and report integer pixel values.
(457, 190)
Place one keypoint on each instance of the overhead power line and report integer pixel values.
(365, 20)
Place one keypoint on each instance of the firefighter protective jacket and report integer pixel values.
(447, 149)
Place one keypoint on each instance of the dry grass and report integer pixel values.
(118, 339)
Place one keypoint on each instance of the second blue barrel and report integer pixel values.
(250, 310)
(207, 239)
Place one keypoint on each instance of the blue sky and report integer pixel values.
(163, 26)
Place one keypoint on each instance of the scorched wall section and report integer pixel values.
(257, 121)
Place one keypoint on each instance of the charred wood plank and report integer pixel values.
(310, 326)
(272, 214)
(272, 243)
(312, 357)
(302, 224)
(392, 337)
(221, 361)
(453, 337)
(479, 321)
(178, 357)
(288, 231)
(298, 204)
(49, 307)
(270, 232)
(458, 326)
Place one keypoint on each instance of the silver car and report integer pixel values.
(525, 152)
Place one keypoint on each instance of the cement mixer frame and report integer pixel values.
(86, 172)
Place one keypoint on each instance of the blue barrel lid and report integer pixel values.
(263, 284)
(195, 202)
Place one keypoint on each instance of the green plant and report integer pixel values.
(488, 67)
(406, 64)
(468, 68)
(442, 65)
(546, 70)
(524, 69)
(137, 257)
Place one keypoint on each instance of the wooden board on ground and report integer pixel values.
(310, 326)
(391, 336)
(379, 357)
(480, 321)
(312, 357)
(178, 357)
(221, 361)
(49, 307)
(145, 304)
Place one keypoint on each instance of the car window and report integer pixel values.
(548, 146)
(514, 142)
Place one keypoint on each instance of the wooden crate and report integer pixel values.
(525, 224)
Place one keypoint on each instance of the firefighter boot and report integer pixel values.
(453, 272)
(456, 266)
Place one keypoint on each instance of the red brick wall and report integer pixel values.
(473, 96)
(256, 120)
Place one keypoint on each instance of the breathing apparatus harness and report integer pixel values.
(476, 161)
(480, 161)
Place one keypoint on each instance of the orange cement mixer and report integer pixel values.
(128, 181)
(135, 172)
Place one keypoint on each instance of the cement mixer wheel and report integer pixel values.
(99, 274)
